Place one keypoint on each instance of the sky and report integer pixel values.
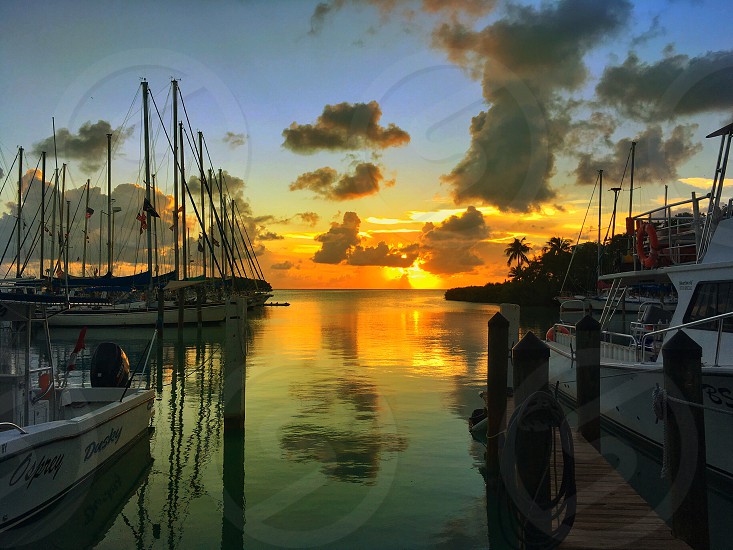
(367, 144)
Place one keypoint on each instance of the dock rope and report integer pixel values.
(660, 398)
(540, 409)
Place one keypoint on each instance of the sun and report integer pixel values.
(417, 277)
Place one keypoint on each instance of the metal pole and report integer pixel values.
(176, 256)
(86, 229)
(43, 207)
(109, 204)
(146, 126)
(183, 205)
(203, 197)
(20, 209)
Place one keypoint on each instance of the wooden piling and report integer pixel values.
(496, 389)
(533, 443)
(588, 379)
(234, 366)
(684, 440)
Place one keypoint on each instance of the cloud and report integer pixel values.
(450, 246)
(676, 85)
(269, 236)
(325, 182)
(342, 243)
(526, 60)
(335, 243)
(88, 146)
(284, 266)
(234, 140)
(382, 255)
(656, 159)
(311, 218)
(344, 127)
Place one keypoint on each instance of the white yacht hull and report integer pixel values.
(39, 467)
(626, 400)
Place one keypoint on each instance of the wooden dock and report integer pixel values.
(610, 513)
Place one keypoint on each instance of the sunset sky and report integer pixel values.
(372, 144)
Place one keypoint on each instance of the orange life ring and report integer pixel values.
(550, 334)
(647, 260)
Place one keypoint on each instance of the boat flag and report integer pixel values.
(147, 207)
(143, 222)
(216, 243)
(71, 363)
(89, 213)
(180, 208)
(200, 246)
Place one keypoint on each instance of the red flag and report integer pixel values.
(143, 222)
(71, 363)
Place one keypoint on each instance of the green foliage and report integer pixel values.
(538, 280)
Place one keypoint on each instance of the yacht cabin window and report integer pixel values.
(711, 298)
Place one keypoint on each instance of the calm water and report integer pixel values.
(355, 433)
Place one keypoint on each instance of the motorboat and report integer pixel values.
(53, 434)
(693, 253)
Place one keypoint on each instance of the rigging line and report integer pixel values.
(7, 176)
(2, 259)
(247, 254)
(254, 256)
(38, 209)
(620, 185)
(198, 216)
(575, 248)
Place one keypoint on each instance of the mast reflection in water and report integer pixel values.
(355, 430)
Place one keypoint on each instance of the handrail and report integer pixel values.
(11, 425)
(706, 320)
(672, 205)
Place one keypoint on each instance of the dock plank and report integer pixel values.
(610, 513)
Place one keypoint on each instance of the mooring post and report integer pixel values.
(684, 440)
(496, 389)
(234, 366)
(533, 443)
(511, 313)
(531, 367)
(588, 379)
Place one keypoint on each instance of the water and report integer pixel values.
(355, 433)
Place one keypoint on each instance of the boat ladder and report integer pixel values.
(616, 294)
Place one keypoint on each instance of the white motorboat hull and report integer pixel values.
(39, 467)
(627, 403)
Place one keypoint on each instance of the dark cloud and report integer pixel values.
(450, 246)
(655, 30)
(284, 266)
(340, 238)
(325, 182)
(311, 218)
(88, 146)
(382, 255)
(234, 140)
(269, 236)
(526, 60)
(474, 8)
(344, 127)
(656, 159)
(676, 85)
(342, 243)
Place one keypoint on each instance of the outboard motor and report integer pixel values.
(110, 366)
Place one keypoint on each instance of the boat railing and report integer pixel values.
(719, 318)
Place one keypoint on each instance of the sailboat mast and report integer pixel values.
(86, 228)
(109, 204)
(203, 198)
(53, 222)
(631, 180)
(43, 208)
(61, 199)
(176, 257)
(66, 247)
(20, 208)
(146, 126)
(600, 200)
(183, 204)
(223, 238)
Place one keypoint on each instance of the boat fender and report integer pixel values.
(647, 260)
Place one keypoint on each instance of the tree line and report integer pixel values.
(538, 280)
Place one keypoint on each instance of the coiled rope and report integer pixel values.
(539, 409)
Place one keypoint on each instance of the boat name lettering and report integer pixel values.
(719, 396)
(94, 447)
(687, 285)
(29, 470)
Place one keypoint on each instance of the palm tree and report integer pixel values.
(556, 246)
(517, 250)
